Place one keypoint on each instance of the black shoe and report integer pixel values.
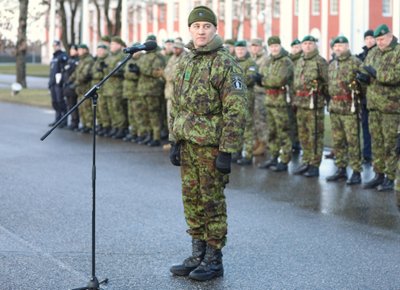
(154, 143)
(104, 132)
(280, 167)
(354, 179)
(245, 161)
(339, 174)
(236, 156)
(147, 139)
(387, 185)
(191, 263)
(301, 169)
(63, 125)
(374, 182)
(112, 132)
(313, 171)
(86, 130)
(128, 138)
(139, 139)
(120, 134)
(72, 127)
(273, 161)
(211, 266)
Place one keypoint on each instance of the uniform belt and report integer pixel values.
(342, 98)
(274, 91)
(302, 93)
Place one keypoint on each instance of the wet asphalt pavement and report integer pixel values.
(285, 231)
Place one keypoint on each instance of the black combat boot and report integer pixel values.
(191, 263)
(354, 179)
(121, 133)
(245, 161)
(273, 161)
(112, 132)
(313, 171)
(211, 266)
(387, 185)
(374, 182)
(338, 175)
(128, 138)
(280, 167)
(301, 169)
(146, 140)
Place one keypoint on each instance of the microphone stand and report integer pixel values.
(94, 283)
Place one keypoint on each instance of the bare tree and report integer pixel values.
(73, 8)
(113, 28)
(98, 17)
(22, 42)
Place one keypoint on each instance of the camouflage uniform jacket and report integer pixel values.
(260, 59)
(98, 70)
(82, 75)
(131, 79)
(277, 76)
(209, 106)
(169, 74)
(151, 66)
(295, 57)
(383, 93)
(341, 74)
(113, 86)
(311, 70)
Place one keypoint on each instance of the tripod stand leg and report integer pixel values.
(93, 284)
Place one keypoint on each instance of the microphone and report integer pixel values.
(150, 45)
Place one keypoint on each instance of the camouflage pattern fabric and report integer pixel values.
(82, 79)
(397, 184)
(130, 92)
(277, 78)
(249, 68)
(103, 115)
(294, 134)
(260, 114)
(209, 108)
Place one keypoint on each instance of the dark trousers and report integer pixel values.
(72, 99)
(57, 101)
(366, 134)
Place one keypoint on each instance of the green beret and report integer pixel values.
(169, 40)
(229, 42)
(202, 13)
(106, 38)
(84, 46)
(274, 40)
(295, 42)
(340, 39)
(151, 37)
(309, 38)
(241, 43)
(102, 45)
(381, 30)
(118, 39)
(256, 41)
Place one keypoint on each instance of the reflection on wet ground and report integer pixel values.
(330, 198)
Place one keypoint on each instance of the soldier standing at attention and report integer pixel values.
(206, 126)
(259, 55)
(277, 79)
(69, 87)
(381, 71)
(250, 70)
(311, 88)
(344, 109)
(82, 77)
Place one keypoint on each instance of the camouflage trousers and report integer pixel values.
(346, 141)
(131, 116)
(294, 134)
(118, 112)
(397, 183)
(278, 133)
(260, 117)
(104, 117)
(248, 136)
(141, 115)
(312, 145)
(203, 194)
(85, 109)
(383, 128)
(154, 113)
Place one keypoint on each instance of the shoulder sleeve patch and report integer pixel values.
(237, 82)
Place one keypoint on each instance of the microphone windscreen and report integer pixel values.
(150, 45)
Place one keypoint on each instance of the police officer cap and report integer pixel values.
(295, 42)
(106, 38)
(369, 32)
(309, 38)
(340, 39)
(118, 39)
(274, 40)
(102, 45)
(229, 42)
(381, 30)
(256, 41)
(151, 37)
(202, 13)
(241, 43)
(56, 42)
(83, 46)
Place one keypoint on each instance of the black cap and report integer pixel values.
(369, 32)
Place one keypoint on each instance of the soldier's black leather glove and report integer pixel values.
(371, 71)
(133, 68)
(175, 154)
(397, 149)
(363, 78)
(258, 79)
(223, 162)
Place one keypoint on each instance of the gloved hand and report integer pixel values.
(371, 71)
(101, 67)
(363, 78)
(397, 149)
(175, 154)
(134, 68)
(258, 79)
(223, 162)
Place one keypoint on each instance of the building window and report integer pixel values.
(316, 7)
(236, 10)
(149, 13)
(334, 7)
(387, 7)
(277, 9)
(176, 11)
(296, 7)
(248, 9)
(163, 12)
(221, 14)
